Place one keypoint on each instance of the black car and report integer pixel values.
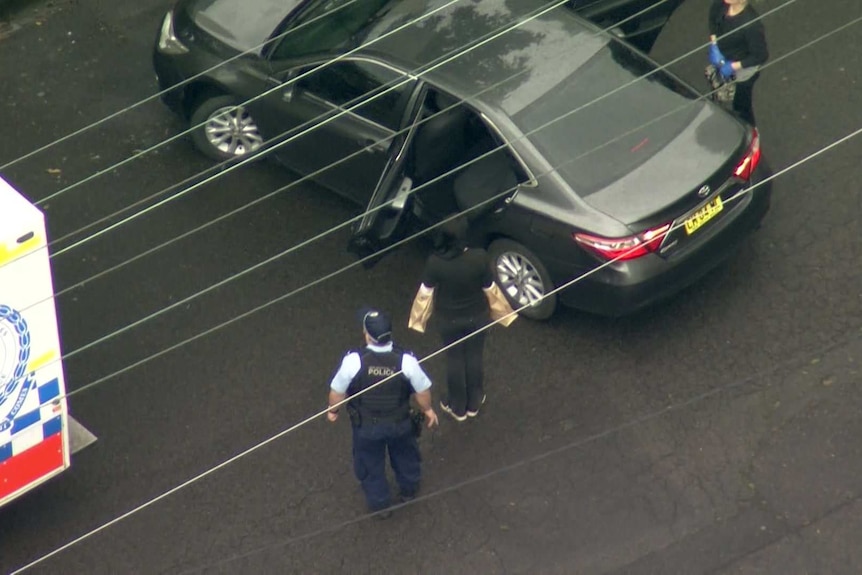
(571, 154)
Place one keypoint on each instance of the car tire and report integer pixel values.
(224, 130)
(523, 278)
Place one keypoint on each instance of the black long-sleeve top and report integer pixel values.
(458, 277)
(736, 40)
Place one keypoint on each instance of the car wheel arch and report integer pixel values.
(199, 92)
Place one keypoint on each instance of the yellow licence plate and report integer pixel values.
(703, 215)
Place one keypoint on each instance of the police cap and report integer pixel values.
(377, 325)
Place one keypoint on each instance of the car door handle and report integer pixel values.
(506, 202)
(373, 146)
(287, 87)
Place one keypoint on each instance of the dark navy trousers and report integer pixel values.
(370, 445)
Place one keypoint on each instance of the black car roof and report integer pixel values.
(472, 46)
(593, 107)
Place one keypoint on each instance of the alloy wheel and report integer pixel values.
(232, 131)
(520, 279)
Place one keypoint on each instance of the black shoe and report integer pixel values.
(407, 495)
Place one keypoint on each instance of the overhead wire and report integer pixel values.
(450, 57)
(307, 420)
(573, 282)
(190, 79)
(252, 157)
(579, 278)
(630, 424)
(232, 164)
(312, 124)
(246, 160)
(493, 35)
(792, 166)
(296, 247)
(266, 93)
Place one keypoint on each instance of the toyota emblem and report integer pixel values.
(703, 191)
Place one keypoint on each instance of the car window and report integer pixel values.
(346, 83)
(327, 26)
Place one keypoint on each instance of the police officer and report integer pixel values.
(380, 417)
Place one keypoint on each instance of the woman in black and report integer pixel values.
(737, 27)
(458, 275)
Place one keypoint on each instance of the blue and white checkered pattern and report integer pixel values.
(39, 417)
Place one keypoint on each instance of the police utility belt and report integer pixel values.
(358, 420)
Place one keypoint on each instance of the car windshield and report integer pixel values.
(232, 21)
(327, 26)
(597, 123)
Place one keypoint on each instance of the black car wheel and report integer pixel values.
(523, 278)
(226, 130)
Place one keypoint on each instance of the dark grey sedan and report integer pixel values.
(569, 152)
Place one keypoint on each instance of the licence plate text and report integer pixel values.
(703, 215)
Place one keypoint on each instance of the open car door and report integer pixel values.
(642, 20)
(445, 161)
(387, 216)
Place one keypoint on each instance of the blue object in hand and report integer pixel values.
(726, 70)
(716, 58)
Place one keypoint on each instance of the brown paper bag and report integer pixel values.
(500, 308)
(423, 306)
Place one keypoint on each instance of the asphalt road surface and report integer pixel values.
(717, 433)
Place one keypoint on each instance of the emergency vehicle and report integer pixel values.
(34, 420)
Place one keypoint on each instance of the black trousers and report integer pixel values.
(743, 103)
(464, 370)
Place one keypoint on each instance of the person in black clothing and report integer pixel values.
(735, 27)
(459, 277)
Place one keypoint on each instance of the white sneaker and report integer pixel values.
(475, 413)
(454, 415)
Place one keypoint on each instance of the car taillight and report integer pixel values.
(627, 248)
(752, 157)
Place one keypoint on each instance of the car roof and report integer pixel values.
(475, 49)
(537, 79)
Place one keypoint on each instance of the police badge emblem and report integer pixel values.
(15, 383)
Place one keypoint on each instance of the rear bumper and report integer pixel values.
(623, 288)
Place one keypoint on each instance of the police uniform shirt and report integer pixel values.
(351, 364)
